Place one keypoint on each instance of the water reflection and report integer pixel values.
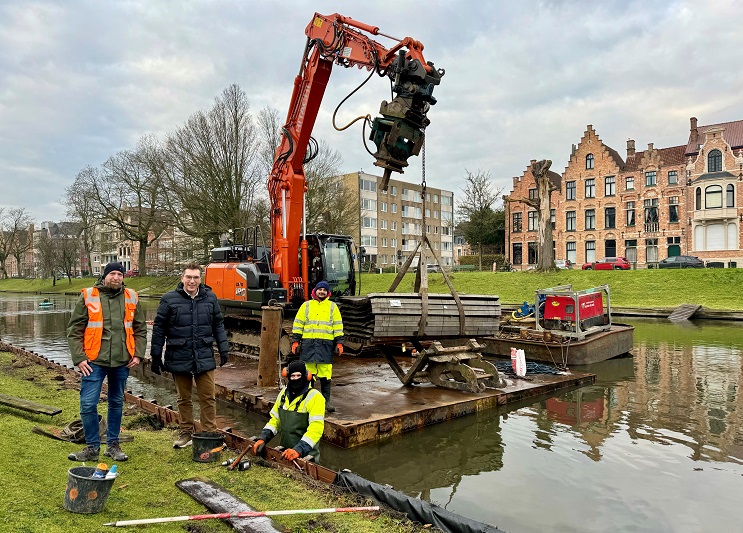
(656, 444)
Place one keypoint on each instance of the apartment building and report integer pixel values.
(390, 223)
(655, 203)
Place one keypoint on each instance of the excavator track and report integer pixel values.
(244, 335)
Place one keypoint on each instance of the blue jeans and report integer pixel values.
(90, 395)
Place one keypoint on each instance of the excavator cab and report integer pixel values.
(331, 259)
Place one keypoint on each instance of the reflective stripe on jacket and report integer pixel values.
(94, 329)
(320, 327)
(302, 419)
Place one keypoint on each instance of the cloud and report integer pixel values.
(81, 80)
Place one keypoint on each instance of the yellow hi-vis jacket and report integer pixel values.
(301, 419)
(319, 326)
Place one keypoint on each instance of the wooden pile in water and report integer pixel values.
(384, 315)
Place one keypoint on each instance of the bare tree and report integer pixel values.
(83, 209)
(21, 244)
(331, 206)
(477, 216)
(546, 181)
(211, 168)
(14, 225)
(47, 255)
(130, 193)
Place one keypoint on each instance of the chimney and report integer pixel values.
(630, 148)
(650, 147)
(693, 135)
(575, 148)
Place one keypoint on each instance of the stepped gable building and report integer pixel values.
(659, 202)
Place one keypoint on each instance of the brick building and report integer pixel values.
(660, 202)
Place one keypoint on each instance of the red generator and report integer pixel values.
(559, 311)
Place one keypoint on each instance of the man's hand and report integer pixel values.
(134, 361)
(339, 348)
(85, 368)
(223, 357)
(156, 365)
(295, 345)
(290, 455)
(259, 448)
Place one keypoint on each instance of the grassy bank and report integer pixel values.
(713, 288)
(33, 473)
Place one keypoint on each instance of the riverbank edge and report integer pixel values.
(702, 313)
(27, 440)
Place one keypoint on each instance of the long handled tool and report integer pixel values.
(243, 514)
(234, 463)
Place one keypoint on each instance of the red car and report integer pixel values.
(609, 263)
(131, 273)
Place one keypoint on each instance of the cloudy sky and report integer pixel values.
(80, 80)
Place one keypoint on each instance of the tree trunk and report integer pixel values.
(143, 256)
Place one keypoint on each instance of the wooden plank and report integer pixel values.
(684, 312)
(28, 405)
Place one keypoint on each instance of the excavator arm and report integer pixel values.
(397, 134)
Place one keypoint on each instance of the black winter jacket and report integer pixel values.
(190, 326)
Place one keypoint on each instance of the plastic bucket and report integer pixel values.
(207, 446)
(84, 493)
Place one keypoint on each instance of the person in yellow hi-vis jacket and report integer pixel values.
(319, 327)
(298, 415)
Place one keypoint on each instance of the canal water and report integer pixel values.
(655, 445)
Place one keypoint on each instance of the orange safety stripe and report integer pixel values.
(94, 329)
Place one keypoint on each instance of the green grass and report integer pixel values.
(33, 474)
(714, 288)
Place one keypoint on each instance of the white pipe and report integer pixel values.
(283, 213)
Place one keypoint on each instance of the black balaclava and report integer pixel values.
(296, 387)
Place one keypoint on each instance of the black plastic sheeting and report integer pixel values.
(418, 510)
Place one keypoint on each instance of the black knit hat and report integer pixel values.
(111, 267)
(296, 366)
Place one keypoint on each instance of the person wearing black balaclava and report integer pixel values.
(298, 416)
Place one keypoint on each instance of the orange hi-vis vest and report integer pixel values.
(94, 329)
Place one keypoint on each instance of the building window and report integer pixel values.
(516, 257)
(630, 250)
(369, 185)
(590, 219)
(393, 190)
(532, 194)
(532, 220)
(629, 184)
(570, 190)
(570, 221)
(651, 250)
(610, 217)
(553, 217)
(446, 200)
(570, 252)
(589, 161)
(435, 214)
(673, 177)
(517, 222)
(590, 188)
(713, 197)
(384, 242)
(590, 251)
(730, 196)
(609, 185)
(651, 214)
(435, 198)
(714, 161)
(394, 225)
(383, 224)
(393, 241)
(393, 208)
(428, 213)
(368, 240)
(406, 210)
(369, 205)
(532, 251)
(673, 209)
(435, 230)
(369, 222)
(650, 178)
(384, 207)
(698, 199)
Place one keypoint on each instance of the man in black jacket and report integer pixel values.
(190, 319)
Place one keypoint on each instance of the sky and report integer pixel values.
(81, 80)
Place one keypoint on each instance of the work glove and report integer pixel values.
(156, 365)
(223, 358)
(290, 455)
(295, 345)
(339, 348)
(259, 448)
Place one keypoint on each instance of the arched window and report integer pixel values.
(698, 199)
(730, 196)
(589, 161)
(714, 161)
(713, 197)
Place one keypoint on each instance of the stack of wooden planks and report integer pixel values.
(380, 316)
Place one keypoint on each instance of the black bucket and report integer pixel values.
(86, 494)
(207, 446)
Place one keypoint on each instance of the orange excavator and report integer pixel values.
(247, 276)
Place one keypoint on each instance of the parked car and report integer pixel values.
(433, 268)
(131, 273)
(609, 263)
(681, 261)
(563, 263)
